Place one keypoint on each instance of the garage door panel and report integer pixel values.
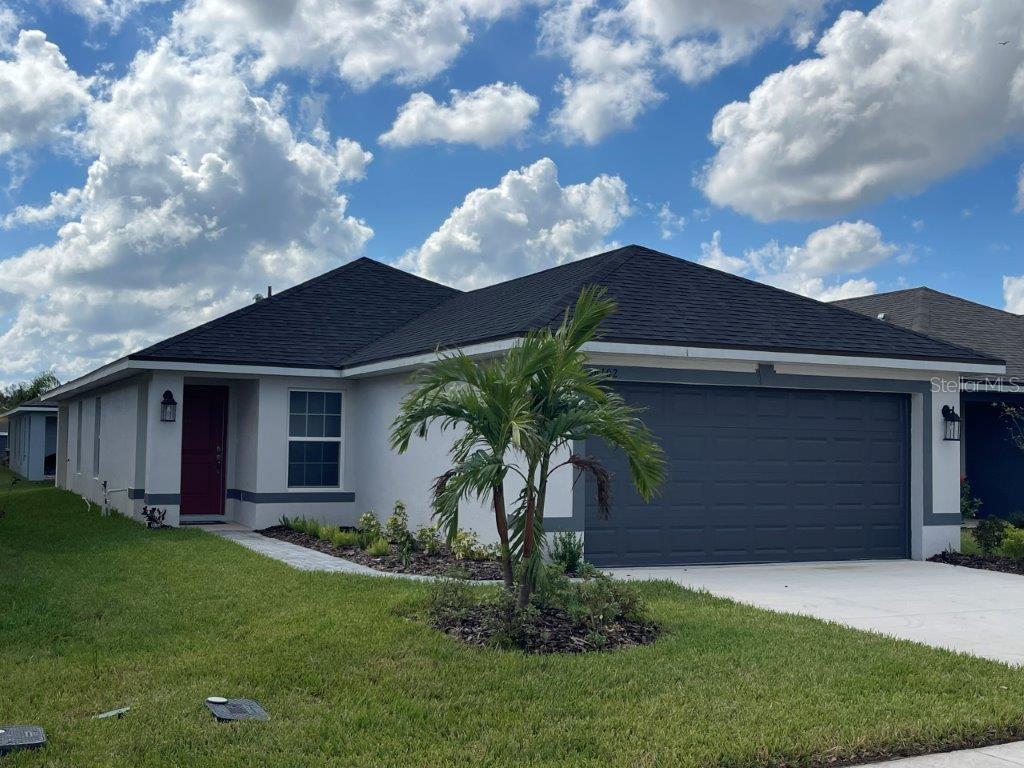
(759, 475)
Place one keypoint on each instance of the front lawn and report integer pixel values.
(100, 613)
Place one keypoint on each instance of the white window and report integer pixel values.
(314, 439)
(98, 412)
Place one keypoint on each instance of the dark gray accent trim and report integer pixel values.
(767, 376)
(162, 498)
(290, 498)
(136, 493)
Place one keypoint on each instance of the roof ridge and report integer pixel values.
(216, 322)
(617, 258)
(832, 305)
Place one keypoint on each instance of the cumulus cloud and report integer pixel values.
(40, 95)
(364, 41)
(1013, 293)
(488, 116)
(112, 12)
(616, 50)
(896, 98)
(529, 221)
(669, 222)
(820, 268)
(199, 194)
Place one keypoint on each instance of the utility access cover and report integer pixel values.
(13, 737)
(236, 709)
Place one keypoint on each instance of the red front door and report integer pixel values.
(204, 431)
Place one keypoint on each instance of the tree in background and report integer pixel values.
(14, 395)
(1013, 420)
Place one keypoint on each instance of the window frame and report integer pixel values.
(339, 440)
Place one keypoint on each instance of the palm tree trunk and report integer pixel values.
(525, 588)
(501, 521)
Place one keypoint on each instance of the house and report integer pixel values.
(793, 429)
(990, 460)
(32, 439)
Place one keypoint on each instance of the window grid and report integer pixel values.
(314, 439)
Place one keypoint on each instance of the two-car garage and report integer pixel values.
(759, 474)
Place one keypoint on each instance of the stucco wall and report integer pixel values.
(118, 445)
(27, 443)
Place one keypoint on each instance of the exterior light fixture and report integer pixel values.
(168, 407)
(953, 424)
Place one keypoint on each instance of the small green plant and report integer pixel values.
(286, 522)
(369, 526)
(990, 534)
(344, 539)
(378, 548)
(466, 546)
(428, 540)
(396, 529)
(970, 504)
(567, 552)
(587, 570)
(1013, 543)
(449, 599)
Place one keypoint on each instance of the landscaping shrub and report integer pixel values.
(969, 503)
(990, 533)
(567, 552)
(369, 528)
(1013, 543)
(428, 540)
(378, 548)
(396, 529)
(344, 539)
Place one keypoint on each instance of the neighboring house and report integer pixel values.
(3, 448)
(794, 430)
(990, 460)
(32, 439)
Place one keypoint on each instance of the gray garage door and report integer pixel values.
(761, 475)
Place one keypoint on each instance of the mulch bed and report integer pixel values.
(546, 630)
(982, 562)
(443, 563)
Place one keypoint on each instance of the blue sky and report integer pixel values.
(235, 151)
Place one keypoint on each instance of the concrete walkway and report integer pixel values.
(298, 557)
(1003, 756)
(963, 609)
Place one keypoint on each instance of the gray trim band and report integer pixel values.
(767, 376)
(290, 498)
(136, 493)
(162, 498)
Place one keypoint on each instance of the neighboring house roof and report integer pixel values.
(315, 324)
(661, 300)
(959, 321)
(35, 405)
(366, 312)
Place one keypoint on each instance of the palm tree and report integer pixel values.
(571, 401)
(517, 413)
(489, 402)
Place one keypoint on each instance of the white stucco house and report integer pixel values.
(793, 429)
(31, 439)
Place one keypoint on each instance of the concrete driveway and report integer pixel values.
(978, 612)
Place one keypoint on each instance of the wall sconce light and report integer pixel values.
(168, 407)
(953, 424)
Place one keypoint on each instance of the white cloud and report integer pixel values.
(528, 222)
(488, 116)
(112, 12)
(819, 268)
(669, 222)
(616, 50)
(8, 26)
(1020, 190)
(199, 195)
(40, 95)
(896, 98)
(1013, 293)
(364, 41)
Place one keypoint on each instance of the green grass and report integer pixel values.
(99, 613)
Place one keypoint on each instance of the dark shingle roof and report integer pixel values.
(959, 321)
(316, 324)
(662, 300)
